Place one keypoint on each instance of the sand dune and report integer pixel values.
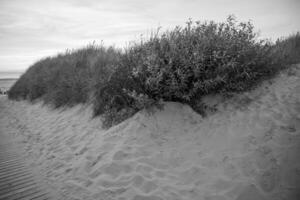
(247, 150)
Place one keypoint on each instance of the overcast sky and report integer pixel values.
(32, 29)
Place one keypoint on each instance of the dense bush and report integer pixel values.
(189, 62)
(178, 65)
(61, 80)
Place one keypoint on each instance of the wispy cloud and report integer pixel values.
(33, 29)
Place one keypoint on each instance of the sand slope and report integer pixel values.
(248, 150)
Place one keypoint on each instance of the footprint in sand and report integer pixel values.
(149, 186)
(146, 186)
(145, 170)
(113, 170)
(193, 175)
(138, 180)
(121, 155)
(247, 166)
(160, 174)
(268, 180)
(264, 158)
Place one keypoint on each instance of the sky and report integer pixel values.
(33, 29)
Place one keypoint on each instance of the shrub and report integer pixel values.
(61, 80)
(201, 58)
(179, 65)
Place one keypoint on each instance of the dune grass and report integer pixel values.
(179, 65)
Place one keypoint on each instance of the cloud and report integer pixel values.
(33, 29)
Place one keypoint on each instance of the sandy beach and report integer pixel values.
(247, 150)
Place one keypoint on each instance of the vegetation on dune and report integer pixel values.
(288, 49)
(179, 65)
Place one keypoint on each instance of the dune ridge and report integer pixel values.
(246, 150)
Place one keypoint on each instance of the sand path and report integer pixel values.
(17, 180)
(248, 150)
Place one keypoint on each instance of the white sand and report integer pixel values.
(248, 150)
